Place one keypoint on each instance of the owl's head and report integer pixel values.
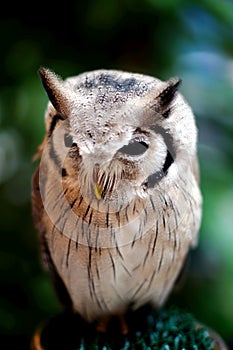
(123, 133)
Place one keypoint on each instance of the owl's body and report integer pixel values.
(116, 196)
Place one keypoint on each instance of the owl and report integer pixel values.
(115, 196)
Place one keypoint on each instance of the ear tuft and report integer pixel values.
(54, 88)
(169, 92)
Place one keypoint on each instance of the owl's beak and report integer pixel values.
(103, 182)
(98, 190)
(98, 183)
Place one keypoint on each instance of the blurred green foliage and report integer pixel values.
(164, 38)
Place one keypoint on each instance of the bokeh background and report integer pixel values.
(186, 38)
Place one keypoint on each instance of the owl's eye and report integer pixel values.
(68, 140)
(134, 148)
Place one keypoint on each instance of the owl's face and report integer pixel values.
(122, 133)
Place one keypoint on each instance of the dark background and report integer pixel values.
(190, 39)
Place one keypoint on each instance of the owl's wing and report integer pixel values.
(39, 214)
(183, 273)
(195, 167)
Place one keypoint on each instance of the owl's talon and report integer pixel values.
(123, 325)
(103, 323)
(36, 339)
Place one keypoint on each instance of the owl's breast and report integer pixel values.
(110, 280)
